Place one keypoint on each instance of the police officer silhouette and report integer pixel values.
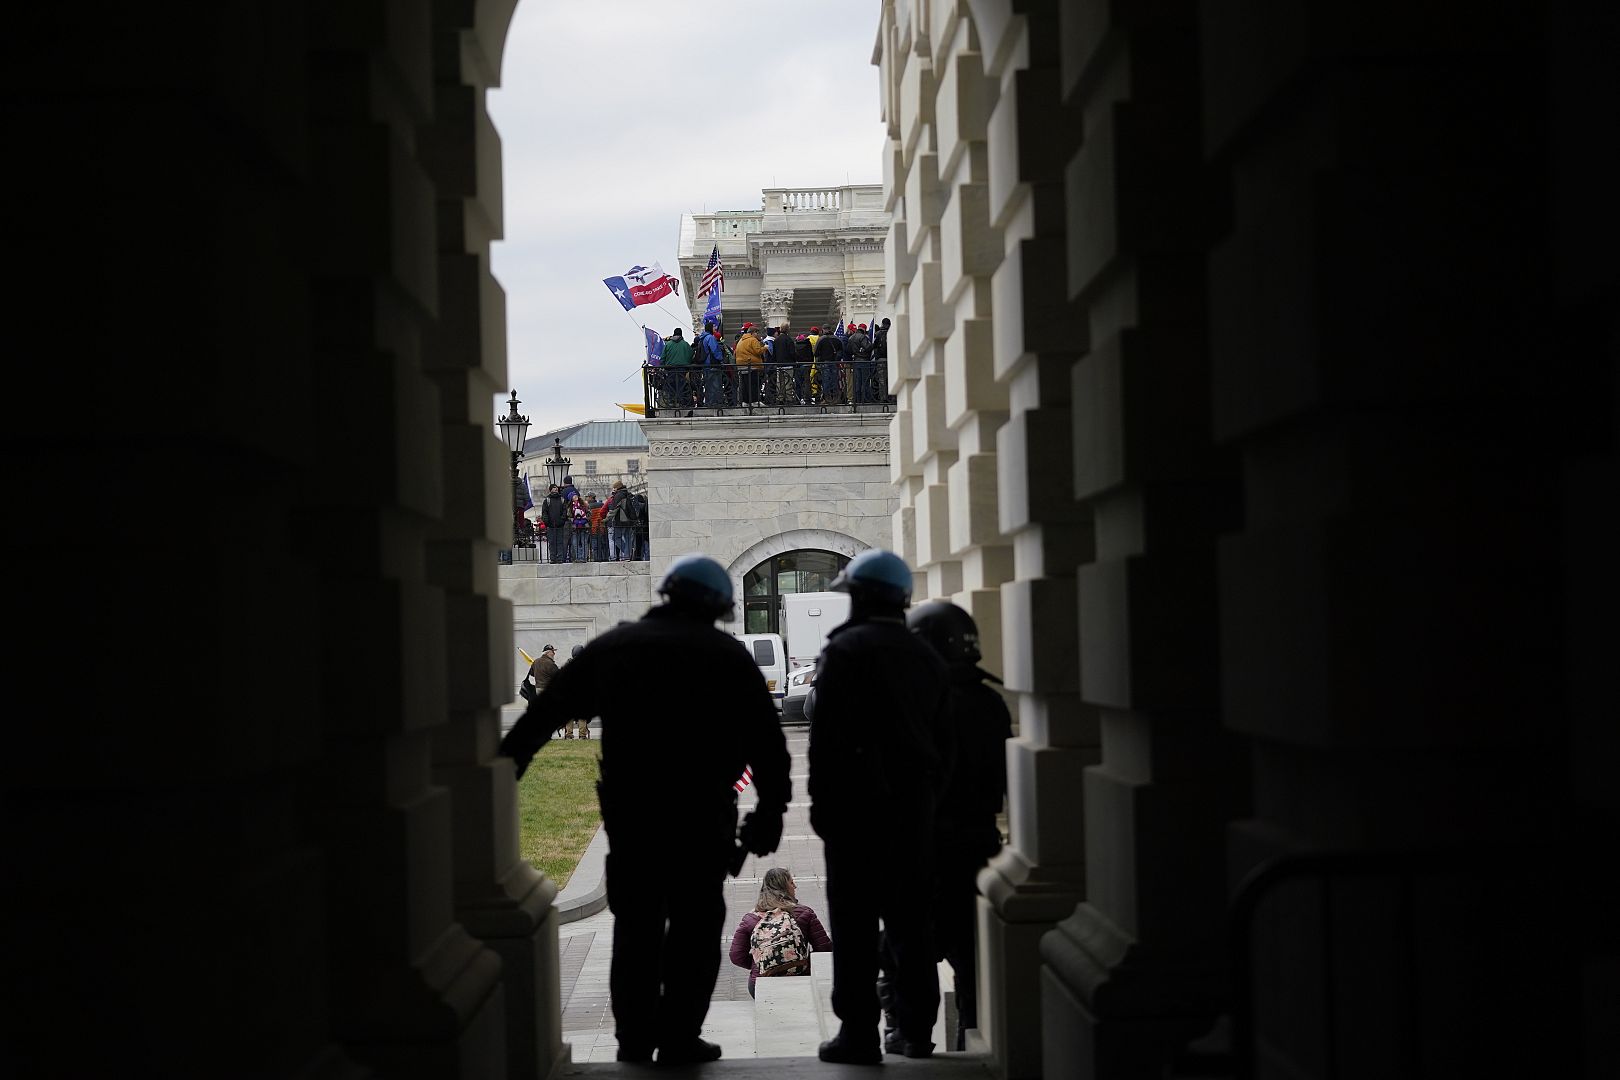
(668, 801)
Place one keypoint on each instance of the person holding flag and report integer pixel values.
(712, 355)
(846, 381)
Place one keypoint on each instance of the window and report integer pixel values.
(590, 467)
(632, 466)
(792, 571)
(764, 652)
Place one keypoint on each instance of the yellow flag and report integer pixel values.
(638, 409)
(525, 655)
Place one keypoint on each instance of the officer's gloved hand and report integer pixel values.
(760, 831)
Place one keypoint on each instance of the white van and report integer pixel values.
(767, 651)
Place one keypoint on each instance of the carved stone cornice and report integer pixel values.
(776, 304)
(829, 247)
(752, 447)
(863, 297)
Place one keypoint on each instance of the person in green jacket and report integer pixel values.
(677, 392)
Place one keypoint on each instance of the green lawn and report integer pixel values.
(557, 811)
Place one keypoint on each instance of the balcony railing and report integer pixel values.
(835, 199)
(752, 389)
(578, 547)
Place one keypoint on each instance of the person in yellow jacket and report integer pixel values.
(815, 369)
(750, 352)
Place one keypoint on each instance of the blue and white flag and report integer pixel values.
(839, 333)
(655, 346)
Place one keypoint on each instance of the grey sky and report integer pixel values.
(617, 118)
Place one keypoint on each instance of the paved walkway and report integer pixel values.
(790, 1020)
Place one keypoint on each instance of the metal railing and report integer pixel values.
(572, 545)
(711, 389)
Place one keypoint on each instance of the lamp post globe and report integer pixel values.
(557, 466)
(514, 430)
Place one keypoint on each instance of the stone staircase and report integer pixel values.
(793, 1016)
(812, 307)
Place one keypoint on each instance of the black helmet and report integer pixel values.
(950, 630)
(577, 649)
(697, 581)
(879, 575)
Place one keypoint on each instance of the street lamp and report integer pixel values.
(514, 429)
(557, 466)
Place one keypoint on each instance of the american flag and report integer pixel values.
(712, 275)
(745, 779)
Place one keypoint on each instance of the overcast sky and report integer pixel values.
(615, 119)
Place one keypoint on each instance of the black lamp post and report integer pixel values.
(557, 466)
(514, 430)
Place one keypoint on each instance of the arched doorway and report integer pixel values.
(803, 570)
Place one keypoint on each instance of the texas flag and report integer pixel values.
(642, 285)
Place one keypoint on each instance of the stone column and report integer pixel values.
(499, 898)
(978, 358)
(776, 306)
(1034, 338)
(1137, 970)
(412, 991)
(863, 302)
(1406, 349)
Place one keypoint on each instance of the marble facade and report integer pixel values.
(738, 488)
(807, 256)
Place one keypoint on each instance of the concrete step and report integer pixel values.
(792, 1016)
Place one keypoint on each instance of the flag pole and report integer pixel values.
(684, 324)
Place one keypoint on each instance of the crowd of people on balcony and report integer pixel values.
(577, 527)
(771, 367)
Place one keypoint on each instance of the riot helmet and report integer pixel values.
(877, 576)
(948, 629)
(698, 583)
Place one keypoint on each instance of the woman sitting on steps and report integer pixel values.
(778, 936)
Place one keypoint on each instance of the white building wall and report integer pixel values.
(740, 489)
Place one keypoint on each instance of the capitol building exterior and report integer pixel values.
(807, 257)
(778, 495)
